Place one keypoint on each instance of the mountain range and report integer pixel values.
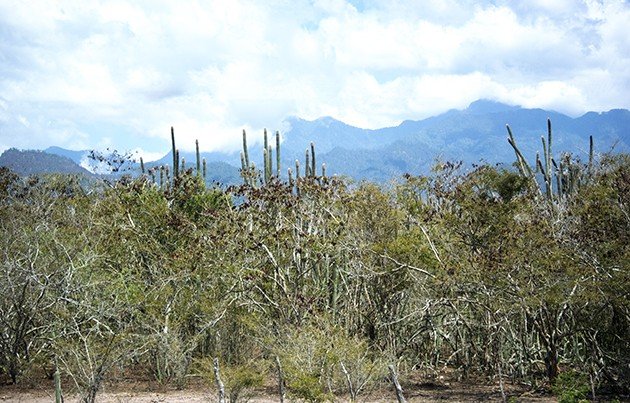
(473, 135)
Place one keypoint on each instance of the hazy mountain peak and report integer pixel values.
(327, 120)
(482, 106)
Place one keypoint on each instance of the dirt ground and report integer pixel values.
(147, 393)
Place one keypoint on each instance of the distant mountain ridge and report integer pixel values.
(474, 134)
(33, 162)
(77, 156)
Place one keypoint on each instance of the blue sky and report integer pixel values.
(95, 74)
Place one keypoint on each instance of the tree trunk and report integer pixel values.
(399, 390)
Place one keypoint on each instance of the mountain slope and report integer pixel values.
(31, 162)
(76, 156)
(474, 134)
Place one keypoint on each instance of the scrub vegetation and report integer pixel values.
(321, 287)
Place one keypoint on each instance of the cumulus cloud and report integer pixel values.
(100, 72)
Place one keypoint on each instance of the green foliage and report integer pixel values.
(240, 380)
(319, 360)
(571, 387)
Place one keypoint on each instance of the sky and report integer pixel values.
(92, 74)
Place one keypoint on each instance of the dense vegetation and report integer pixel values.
(482, 272)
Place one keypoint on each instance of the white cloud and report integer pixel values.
(146, 155)
(82, 74)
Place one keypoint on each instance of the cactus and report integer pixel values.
(161, 176)
(590, 156)
(324, 170)
(307, 165)
(549, 156)
(265, 165)
(314, 165)
(265, 142)
(141, 165)
(569, 175)
(270, 163)
(278, 154)
(245, 154)
(183, 163)
(250, 175)
(523, 166)
(205, 170)
(290, 176)
(245, 166)
(546, 170)
(176, 167)
(175, 153)
(198, 159)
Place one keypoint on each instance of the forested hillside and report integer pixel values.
(31, 162)
(512, 276)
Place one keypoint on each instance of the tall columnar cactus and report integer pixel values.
(590, 156)
(549, 156)
(142, 165)
(265, 140)
(245, 153)
(265, 165)
(269, 163)
(152, 174)
(546, 171)
(175, 153)
(248, 169)
(307, 165)
(198, 158)
(268, 172)
(313, 164)
(205, 169)
(267, 158)
(278, 154)
(243, 164)
(176, 167)
(569, 175)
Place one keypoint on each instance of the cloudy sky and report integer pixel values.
(119, 73)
